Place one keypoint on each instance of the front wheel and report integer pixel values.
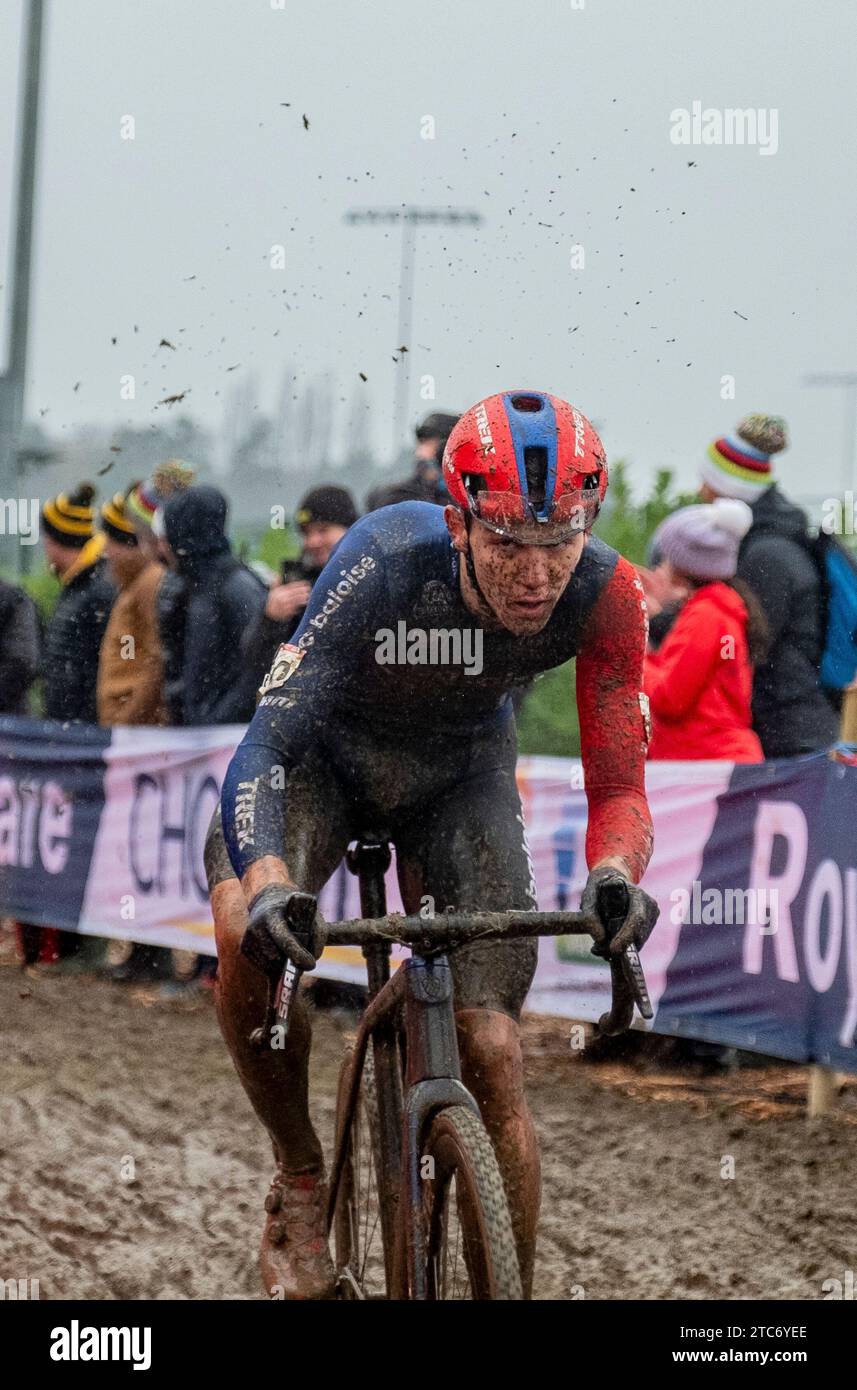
(357, 1223)
(470, 1248)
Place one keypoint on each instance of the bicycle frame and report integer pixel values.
(422, 991)
(423, 988)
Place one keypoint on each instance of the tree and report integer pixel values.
(628, 525)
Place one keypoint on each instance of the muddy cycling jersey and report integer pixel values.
(387, 652)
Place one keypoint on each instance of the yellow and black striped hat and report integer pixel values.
(70, 517)
(116, 521)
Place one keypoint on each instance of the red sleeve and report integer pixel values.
(613, 724)
(676, 677)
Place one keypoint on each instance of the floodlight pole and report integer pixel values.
(410, 218)
(13, 380)
(847, 382)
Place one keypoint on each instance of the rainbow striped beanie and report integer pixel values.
(145, 498)
(740, 464)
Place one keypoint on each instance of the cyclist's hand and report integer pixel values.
(284, 923)
(641, 916)
(285, 600)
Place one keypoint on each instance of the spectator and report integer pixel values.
(664, 596)
(426, 483)
(72, 645)
(223, 598)
(172, 620)
(154, 592)
(20, 648)
(73, 639)
(144, 506)
(20, 657)
(699, 683)
(322, 518)
(791, 713)
(130, 671)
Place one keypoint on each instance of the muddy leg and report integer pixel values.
(492, 1070)
(275, 1079)
(294, 1259)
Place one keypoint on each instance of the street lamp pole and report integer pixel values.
(410, 218)
(847, 381)
(12, 383)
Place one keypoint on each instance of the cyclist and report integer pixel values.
(343, 740)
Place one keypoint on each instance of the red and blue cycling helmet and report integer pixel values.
(527, 465)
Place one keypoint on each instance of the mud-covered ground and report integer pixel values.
(97, 1082)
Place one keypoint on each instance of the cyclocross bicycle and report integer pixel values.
(417, 1204)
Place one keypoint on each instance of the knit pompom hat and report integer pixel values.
(333, 506)
(115, 521)
(740, 464)
(145, 498)
(70, 516)
(703, 541)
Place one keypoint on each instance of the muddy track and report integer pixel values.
(131, 1164)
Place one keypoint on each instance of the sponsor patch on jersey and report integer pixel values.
(285, 663)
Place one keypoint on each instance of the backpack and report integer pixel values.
(837, 569)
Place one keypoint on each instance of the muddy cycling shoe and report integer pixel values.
(295, 1258)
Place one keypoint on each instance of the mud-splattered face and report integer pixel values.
(521, 583)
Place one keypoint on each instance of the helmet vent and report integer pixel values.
(530, 403)
(536, 469)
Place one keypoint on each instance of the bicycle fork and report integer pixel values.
(432, 1082)
(423, 990)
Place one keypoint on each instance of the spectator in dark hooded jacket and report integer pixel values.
(73, 639)
(791, 713)
(20, 648)
(223, 598)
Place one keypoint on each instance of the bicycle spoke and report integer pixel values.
(369, 1236)
(364, 1208)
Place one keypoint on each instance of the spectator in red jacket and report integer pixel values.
(700, 681)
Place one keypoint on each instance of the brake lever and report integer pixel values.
(279, 998)
(637, 980)
(277, 1006)
(626, 970)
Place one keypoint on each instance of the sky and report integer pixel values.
(552, 120)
